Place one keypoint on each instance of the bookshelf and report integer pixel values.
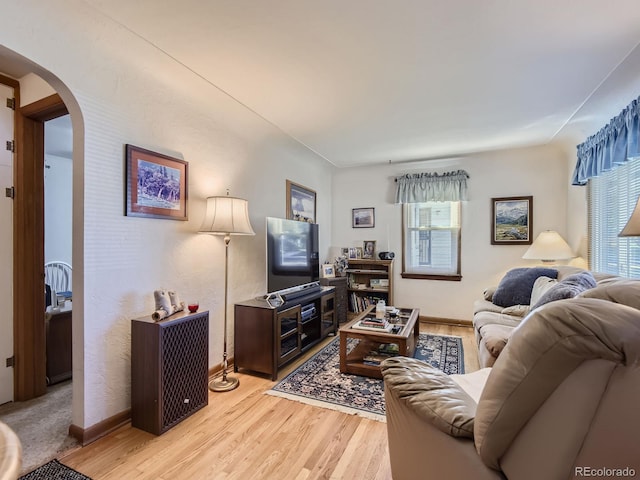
(367, 282)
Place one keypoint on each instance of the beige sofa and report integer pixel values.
(561, 401)
(493, 324)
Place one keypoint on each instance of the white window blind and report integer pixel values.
(612, 197)
(431, 239)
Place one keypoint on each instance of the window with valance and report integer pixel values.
(431, 213)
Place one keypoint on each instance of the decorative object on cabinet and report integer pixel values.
(169, 369)
(340, 285)
(511, 220)
(362, 293)
(268, 336)
(369, 248)
(167, 303)
(301, 203)
(156, 185)
(363, 217)
(226, 216)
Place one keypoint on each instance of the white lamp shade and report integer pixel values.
(549, 246)
(632, 228)
(227, 216)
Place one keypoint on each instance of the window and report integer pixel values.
(612, 197)
(431, 240)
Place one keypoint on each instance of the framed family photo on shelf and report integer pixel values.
(156, 185)
(369, 249)
(511, 220)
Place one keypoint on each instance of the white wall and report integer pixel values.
(537, 171)
(58, 201)
(121, 90)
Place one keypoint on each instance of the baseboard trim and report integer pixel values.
(455, 322)
(89, 435)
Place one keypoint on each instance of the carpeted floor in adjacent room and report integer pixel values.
(42, 424)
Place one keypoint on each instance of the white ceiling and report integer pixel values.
(369, 81)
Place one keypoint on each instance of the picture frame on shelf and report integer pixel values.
(301, 203)
(512, 220)
(369, 249)
(353, 254)
(359, 253)
(328, 270)
(156, 185)
(363, 217)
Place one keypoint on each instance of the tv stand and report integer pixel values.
(267, 336)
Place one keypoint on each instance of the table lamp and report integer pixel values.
(549, 246)
(632, 228)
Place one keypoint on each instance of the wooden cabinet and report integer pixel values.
(340, 285)
(368, 282)
(267, 336)
(169, 370)
(58, 344)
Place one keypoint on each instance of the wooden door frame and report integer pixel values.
(28, 234)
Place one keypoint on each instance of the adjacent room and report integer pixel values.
(283, 239)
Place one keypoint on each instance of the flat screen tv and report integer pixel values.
(292, 253)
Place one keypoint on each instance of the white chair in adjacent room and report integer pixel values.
(58, 276)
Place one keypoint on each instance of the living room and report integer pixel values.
(121, 88)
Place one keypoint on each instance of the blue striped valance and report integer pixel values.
(613, 145)
(432, 187)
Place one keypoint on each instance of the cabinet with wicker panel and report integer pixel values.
(169, 370)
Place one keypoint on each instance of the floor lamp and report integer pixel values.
(226, 216)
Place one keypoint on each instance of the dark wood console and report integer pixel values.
(169, 369)
(268, 336)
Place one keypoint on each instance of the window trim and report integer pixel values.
(454, 277)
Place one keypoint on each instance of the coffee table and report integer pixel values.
(363, 359)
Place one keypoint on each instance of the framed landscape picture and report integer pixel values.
(301, 203)
(156, 185)
(511, 220)
(363, 217)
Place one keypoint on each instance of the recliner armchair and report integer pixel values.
(563, 399)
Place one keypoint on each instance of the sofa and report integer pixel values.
(504, 306)
(561, 400)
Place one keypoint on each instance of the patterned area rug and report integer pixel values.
(318, 381)
(54, 470)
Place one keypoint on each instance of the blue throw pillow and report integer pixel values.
(515, 287)
(568, 287)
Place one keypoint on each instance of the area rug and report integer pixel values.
(318, 381)
(54, 470)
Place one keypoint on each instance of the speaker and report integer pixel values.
(386, 255)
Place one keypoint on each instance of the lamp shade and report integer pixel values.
(549, 246)
(227, 216)
(632, 228)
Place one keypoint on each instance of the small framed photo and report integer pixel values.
(156, 185)
(301, 203)
(511, 221)
(363, 217)
(344, 251)
(353, 254)
(328, 270)
(369, 249)
(359, 253)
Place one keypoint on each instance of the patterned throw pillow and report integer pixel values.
(568, 287)
(515, 287)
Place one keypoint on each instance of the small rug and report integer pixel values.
(318, 381)
(54, 470)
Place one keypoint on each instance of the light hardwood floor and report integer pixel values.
(245, 434)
